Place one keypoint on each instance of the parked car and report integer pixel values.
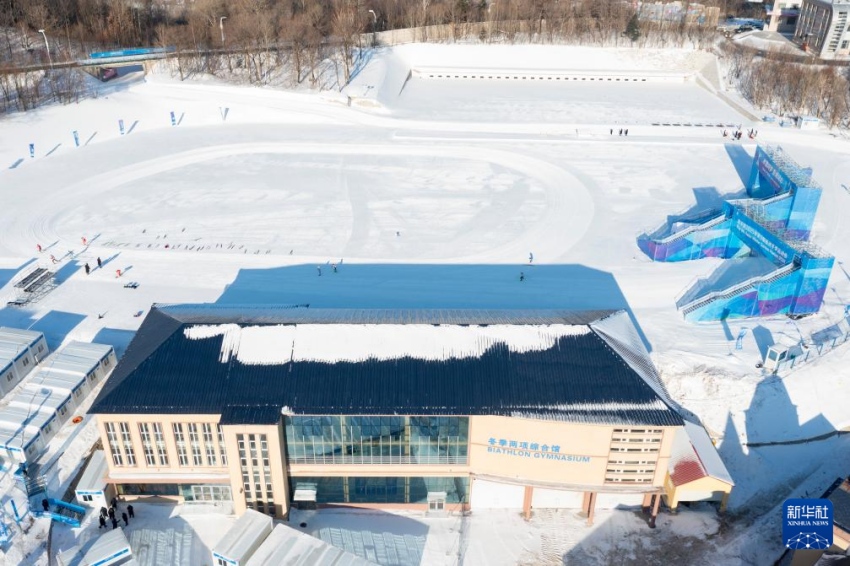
(108, 73)
(742, 29)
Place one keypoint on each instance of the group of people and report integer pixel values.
(738, 134)
(623, 132)
(88, 268)
(111, 514)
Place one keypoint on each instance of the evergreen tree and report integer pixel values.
(633, 28)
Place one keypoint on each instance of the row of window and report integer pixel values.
(376, 440)
(187, 439)
(352, 489)
(256, 471)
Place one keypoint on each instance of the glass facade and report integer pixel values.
(376, 440)
(352, 489)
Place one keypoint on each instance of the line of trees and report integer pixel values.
(773, 83)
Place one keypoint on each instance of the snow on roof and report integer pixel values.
(94, 477)
(278, 344)
(41, 399)
(286, 546)
(245, 533)
(113, 544)
(693, 456)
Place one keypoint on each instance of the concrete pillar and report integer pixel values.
(526, 502)
(723, 502)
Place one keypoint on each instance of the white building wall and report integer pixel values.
(493, 495)
(556, 499)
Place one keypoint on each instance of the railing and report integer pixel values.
(695, 228)
(739, 288)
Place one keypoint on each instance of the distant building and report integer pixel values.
(783, 16)
(823, 28)
(268, 408)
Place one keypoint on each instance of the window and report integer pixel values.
(9, 376)
(78, 392)
(26, 361)
(106, 362)
(221, 449)
(844, 44)
(211, 460)
(114, 446)
(128, 444)
(87, 498)
(40, 348)
(197, 459)
(147, 447)
(180, 441)
(160, 444)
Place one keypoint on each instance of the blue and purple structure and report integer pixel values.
(773, 224)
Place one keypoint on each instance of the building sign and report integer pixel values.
(524, 449)
(807, 524)
(760, 240)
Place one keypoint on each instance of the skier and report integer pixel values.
(130, 511)
(621, 131)
(88, 269)
(84, 240)
(125, 519)
(612, 131)
(38, 246)
(521, 276)
(319, 269)
(102, 521)
(333, 266)
(627, 131)
(117, 273)
(53, 259)
(99, 263)
(530, 257)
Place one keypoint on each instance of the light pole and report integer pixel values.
(221, 27)
(46, 46)
(374, 27)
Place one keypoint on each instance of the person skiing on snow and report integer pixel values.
(99, 263)
(521, 276)
(88, 269)
(319, 269)
(530, 257)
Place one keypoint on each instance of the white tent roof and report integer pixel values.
(111, 544)
(93, 478)
(251, 527)
(286, 546)
(41, 399)
(13, 418)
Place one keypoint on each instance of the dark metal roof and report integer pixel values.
(580, 378)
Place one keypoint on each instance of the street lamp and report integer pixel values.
(46, 46)
(221, 27)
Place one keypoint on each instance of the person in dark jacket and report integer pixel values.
(46, 505)
(112, 512)
(114, 523)
(125, 519)
(130, 511)
(102, 520)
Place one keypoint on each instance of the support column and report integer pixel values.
(723, 502)
(655, 504)
(647, 502)
(526, 502)
(591, 508)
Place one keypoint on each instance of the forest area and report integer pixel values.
(288, 42)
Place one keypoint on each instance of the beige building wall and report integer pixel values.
(243, 463)
(703, 489)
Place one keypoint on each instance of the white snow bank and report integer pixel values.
(278, 344)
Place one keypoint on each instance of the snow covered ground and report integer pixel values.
(435, 197)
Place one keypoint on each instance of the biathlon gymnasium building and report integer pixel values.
(270, 408)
